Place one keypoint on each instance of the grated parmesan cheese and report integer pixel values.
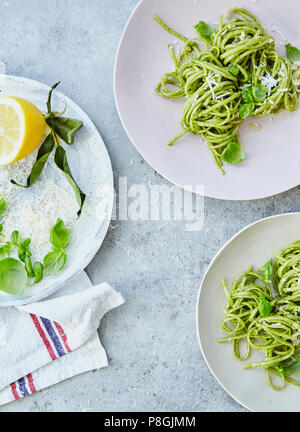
(34, 211)
(269, 81)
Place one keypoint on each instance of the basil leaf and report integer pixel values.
(292, 53)
(61, 161)
(2, 205)
(59, 235)
(38, 269)
(22, 255)
(204, 29)
(268, 269)
(25, 243)
(13, 276)
(264, 307)
(246, 109)
(290, 366)
(260, 92)
(42, 157)
(247, 95)
(233, 153)
(234, 70)
(65, 128)
(5, 249)
(14, 238)
(28, 267)
(54, 261)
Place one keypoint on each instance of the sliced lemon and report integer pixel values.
(22, 127)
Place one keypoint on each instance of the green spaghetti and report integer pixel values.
(263, 311)
(227, 74)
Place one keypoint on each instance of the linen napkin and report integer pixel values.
(47, 342)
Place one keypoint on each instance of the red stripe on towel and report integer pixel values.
(30, 383)
(14, 391)
(63, 336)
(43, 336)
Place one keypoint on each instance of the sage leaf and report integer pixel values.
(61, 161)
(13, 276)
(204, 29)
(65, 128)
(59, 235)
(233, 153)
(54, 261)
(42, 157)
(292, 53)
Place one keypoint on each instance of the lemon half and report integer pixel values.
(22, 127)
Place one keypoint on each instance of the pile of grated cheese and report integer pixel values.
(35, 210)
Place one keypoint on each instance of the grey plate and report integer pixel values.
(87, 155)
(254, 245)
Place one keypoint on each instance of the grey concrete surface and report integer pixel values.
(151, 341)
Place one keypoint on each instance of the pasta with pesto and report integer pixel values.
(227, 74)
(263, 311)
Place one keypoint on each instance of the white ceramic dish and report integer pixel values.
(253, 245)
(91, 167)
(272, 164)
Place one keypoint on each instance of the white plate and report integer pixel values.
(254, 245)
(91, 167)
(273, 154)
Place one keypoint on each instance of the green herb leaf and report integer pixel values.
(5, 249)
(246, 109)
(14, 238)
(247, 94)
(234, 70)
(204, 29)
(2, 205)
(264, 307)
(28, 267)
(268, 269)
(260, 92)
(54, 261)
(61, 161)
(65, 128)
(38, 269)
(233, 153)
(292, 53)
(42, 157)
(50, 96)
(290, 366)
(59, 235)
(25, 243)
(13, 276)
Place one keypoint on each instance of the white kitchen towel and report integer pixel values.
(47, 342)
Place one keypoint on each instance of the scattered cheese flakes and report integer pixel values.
(269, 81)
